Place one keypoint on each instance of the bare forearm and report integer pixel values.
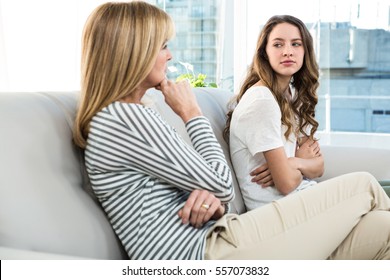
(289, 184)
(288, 180)
(285, 174)
(311, 168)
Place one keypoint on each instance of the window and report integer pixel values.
(200, 39)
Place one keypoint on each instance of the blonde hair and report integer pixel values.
(305, 81)
(120, 44)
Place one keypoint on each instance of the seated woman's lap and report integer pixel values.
(310, 224)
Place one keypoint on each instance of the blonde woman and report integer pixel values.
(273, 124)
(166, 199)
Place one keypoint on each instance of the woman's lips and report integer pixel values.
(287, 62)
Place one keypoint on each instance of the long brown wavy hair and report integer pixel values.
(305, 81)
(120, 42)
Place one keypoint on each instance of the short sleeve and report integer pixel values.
(260, 124)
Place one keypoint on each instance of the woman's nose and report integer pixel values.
(287, 51)
(169, 55)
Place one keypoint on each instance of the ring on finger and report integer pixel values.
(205, 206)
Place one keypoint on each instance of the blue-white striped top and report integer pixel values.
(142, 172)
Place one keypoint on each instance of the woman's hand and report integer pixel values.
(309, 149)
(180, 98)
(262, 176)
(309, 160)
(200, 207)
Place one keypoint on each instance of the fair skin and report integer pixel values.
(286, 55)
(182, 101)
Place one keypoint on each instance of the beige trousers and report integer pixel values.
(347, 217)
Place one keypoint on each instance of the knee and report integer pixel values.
(365, 177)
(360, 182)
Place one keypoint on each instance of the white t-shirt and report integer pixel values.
(255, 128)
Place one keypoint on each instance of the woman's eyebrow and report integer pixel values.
(281, 39)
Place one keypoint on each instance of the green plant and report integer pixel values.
(195, 80)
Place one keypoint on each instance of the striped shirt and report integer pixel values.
(142, 172)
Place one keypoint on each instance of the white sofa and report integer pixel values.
(47, 210)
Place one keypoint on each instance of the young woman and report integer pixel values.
(273, 123)
(166, 199)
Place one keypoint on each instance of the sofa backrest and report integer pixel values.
(43, 206)
(344, 159)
